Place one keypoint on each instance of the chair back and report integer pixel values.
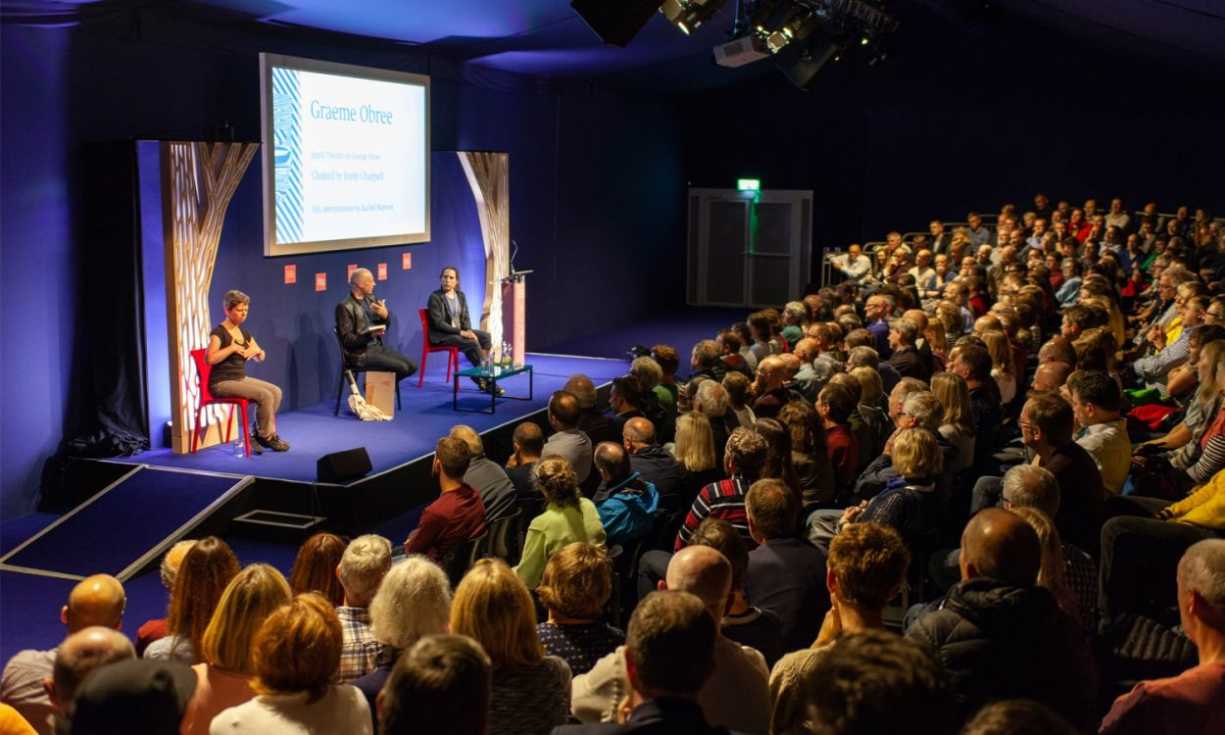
(203, 371)
(503, 539)
(458, 559)
(424, 314)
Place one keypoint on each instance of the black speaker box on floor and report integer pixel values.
(616, 21)
(343, 466)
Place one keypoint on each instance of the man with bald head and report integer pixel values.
(79, 654)
(769, 389)
(998, 634)
(735, 696)
(1057, 349)
(95, 601)
(626, 503)
(592, 420)
(653, 463)
(1050, 375)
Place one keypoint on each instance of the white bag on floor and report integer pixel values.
(358, 405)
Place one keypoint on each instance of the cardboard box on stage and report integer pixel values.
(381, 391)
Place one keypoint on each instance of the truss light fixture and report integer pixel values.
(689, 15)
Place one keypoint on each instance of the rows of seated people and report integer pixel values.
(992, 502)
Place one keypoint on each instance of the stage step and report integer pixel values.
(125, 526)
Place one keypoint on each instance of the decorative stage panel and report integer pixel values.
(489, 177)
(198, 181)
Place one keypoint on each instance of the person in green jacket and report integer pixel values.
(567, 517)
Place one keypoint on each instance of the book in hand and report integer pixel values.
(375, 329)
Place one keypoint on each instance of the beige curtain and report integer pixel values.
(489, 178)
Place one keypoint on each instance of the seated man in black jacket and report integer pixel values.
(999, 635)
(361, 322)
(451, 325)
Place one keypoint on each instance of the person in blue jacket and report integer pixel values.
(626, 502)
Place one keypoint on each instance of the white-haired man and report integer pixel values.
(1194, 701)
(361, 569)
(362, 323)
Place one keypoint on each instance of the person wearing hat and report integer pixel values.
(133, 696)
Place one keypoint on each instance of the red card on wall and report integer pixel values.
(406, 261)
(382, 271)
(291, 274)
(349, 272)
(321, 281)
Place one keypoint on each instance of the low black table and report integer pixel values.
(493, 375)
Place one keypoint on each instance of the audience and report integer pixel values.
(567, 440)
(314, 569)
(651, 461)
(133, 696)
(441, 684)
(365, 561)
(744, 458)
(1097, 405)
(567, 517)
(206, 570)
(226, 677)
(296, 653)
(527, 443)
(625, 501)
(695, 452)
(485, 476)
(152, 630)
(98, 600)
(80, 653)
(576, 586)
(529, 690)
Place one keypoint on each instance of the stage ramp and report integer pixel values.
(127, 525)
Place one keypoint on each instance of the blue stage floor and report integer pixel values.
(425, 415)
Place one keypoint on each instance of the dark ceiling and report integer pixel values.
(546, 37)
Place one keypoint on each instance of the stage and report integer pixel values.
(425, 415)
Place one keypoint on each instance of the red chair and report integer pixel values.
(427, 348)
(203, 369)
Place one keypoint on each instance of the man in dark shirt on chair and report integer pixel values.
(451, 325)
(362, 322)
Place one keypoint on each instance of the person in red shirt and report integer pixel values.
(834, 406)
(1192, 703)
(458, 514)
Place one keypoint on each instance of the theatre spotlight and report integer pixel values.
(798, 27)
(689, 15)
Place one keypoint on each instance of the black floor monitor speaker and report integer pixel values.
(616, 21)
(350, 464)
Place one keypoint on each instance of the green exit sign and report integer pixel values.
(748, 184)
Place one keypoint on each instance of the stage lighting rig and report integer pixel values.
(688, 15)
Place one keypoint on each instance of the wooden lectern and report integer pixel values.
(514, 314)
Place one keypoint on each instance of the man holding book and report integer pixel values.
(361, 323)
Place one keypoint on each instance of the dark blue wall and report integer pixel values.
(596, 189)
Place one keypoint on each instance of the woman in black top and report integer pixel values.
(229, 348)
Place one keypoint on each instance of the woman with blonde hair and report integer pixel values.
(871, 405)
(314, 569)
(567, 517)
(957, 425)
(695, 451)
(203, 575)
(224, 679)
(937, 340)
(531, 691)
(1002, 368)
(1052, 574)
(417, 585)
(296, 653)
(576, 585)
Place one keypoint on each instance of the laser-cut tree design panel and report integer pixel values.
(488, 176)
(198, 182)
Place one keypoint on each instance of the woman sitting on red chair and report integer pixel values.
(229, 348)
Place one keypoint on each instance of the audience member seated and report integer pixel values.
(871, 407)
(296, 653)
(786, 573)
(226, 676)
(1074, 597)
(998, 635)
(530, 690)
(835, 405)
(738, 387)
(1096, 404)
(567, 441)
(695, 453)
(778, 454)
(413, 602)
(151, 630)
(743, 623)
(485, 476)
(625, 501)
(567, 517)
(1017, 717)
(206, 570)
(906, 358)
(592, 420)
(527, 443)
(744, 458)
(624, 401)
(441, 684)
(867, 568)
(669, 362)
(1153, 369)
(813, 471)
(576, 585)
(868, 682)
(920, 410)
(713, 402)
(768, 390)
(661, 411)
(365, 561)
(736, 694)
(133, 696)
(314, 569)
(972, 363)
(705, 360)
(458, 514)
(957, 423)
(1194, 701)
(82, 652)
(668, 658)
(651, 461)
(95, 601)
(866, 438)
